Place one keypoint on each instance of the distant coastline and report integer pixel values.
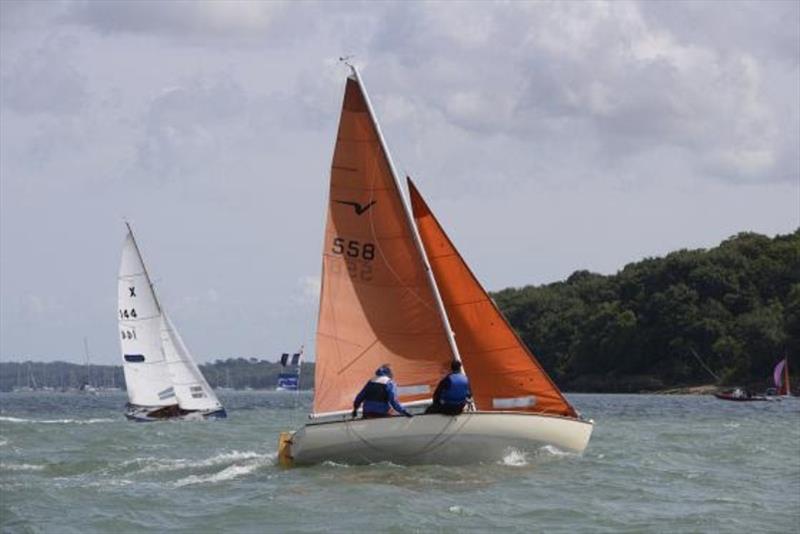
(242, 374)
(660, 325)
(232, 373)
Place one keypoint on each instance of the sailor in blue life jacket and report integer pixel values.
(378, 395)
(452, 393)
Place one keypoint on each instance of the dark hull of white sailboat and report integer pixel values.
(148, 414)
(436, 439)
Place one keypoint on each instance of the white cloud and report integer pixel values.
(537, 130)
(186, 18)
(44, 80)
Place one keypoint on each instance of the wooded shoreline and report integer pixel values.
(658, 325)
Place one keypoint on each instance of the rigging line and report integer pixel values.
(358, 356)
(697, 356)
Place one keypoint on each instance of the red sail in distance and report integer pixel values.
(503, 373)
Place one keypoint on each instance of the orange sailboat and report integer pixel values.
(395, 290)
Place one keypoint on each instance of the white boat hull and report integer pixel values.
(436, 439)
(144, 414)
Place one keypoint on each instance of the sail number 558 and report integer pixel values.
(353, 249)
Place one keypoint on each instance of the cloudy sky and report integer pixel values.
(548, 137)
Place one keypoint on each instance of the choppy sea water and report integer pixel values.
(70, 463)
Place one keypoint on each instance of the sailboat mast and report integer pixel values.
(299, 370)
(86, 351)
(146, 274)
(410, 221)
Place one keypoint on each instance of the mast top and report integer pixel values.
(346, 61)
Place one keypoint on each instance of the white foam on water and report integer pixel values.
(21, 467)
(732, 425)
(55, 421)
(514, 458)
(154, 465)
(229, 473)
(331, 463)
(387, 463)
(3, 442)
(555, 451)
(455, 509)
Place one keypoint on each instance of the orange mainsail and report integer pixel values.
(377, 303)
(504, 375)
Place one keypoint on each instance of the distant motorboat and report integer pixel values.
(162, 378)
(739, 395)
(780, 377)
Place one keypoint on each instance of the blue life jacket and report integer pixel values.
(376, 395)
(458, 391)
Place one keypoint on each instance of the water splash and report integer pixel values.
(514, 458)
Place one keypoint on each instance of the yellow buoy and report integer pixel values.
(285, 449)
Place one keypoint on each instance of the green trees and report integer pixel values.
(737, 306)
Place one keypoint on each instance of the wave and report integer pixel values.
(229, 473)
(21, 467)
(331, 463)
(55, 421)
(517, 458)
(155, 465)
(555, 451)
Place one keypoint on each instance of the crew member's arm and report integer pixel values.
(393, 402)
(443, 384)
(359, 399)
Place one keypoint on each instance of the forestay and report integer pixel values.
(376, 304)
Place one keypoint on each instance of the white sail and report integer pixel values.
(191, 388)
(139, 315)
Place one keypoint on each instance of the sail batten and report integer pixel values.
(503, 373)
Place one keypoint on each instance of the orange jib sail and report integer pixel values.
(503, 374)
(376, 305)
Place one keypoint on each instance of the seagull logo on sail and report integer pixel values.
(359, 209)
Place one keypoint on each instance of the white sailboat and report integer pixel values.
(395, 290)
(162, 379)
